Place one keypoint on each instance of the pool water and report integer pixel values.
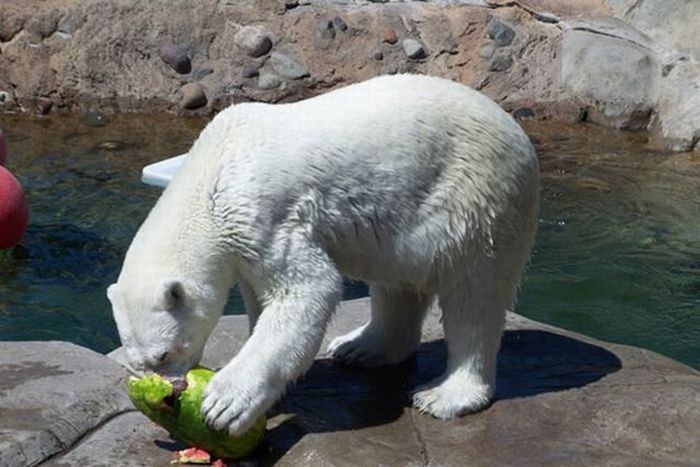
(617, 254)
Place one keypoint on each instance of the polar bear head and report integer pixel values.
(163, 324)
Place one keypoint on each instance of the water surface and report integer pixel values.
(617, 255)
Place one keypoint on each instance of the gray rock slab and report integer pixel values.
(622, 30)
(129, 440)
(673, 23)
(678, 120)
(617, 78)
(562, 399)
(51, 394)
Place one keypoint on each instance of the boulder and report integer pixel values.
(614, 77)
(672, 23)
(677, 123)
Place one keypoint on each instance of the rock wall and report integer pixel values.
(572, 60)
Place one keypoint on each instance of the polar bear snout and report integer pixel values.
(159, 360)
(166, 363)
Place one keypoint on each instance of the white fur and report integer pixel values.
(420, 186)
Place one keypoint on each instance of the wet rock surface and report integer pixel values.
(562, 399)
(51, 394)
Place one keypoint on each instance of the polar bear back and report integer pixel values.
(405, 173)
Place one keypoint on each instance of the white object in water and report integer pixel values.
(160, 173)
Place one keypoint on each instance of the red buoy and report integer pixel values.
(14, 214)
(3, 148)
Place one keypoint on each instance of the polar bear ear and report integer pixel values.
(170, 294)
(111, 292)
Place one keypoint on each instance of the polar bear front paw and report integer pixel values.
(452, 397)
(233, 404)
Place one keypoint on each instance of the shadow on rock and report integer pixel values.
(534, 362)
(335, 398)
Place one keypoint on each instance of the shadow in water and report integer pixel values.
(332, 397)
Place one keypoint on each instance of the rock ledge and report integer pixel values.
(562, 399)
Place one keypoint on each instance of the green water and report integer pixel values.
(617, 255)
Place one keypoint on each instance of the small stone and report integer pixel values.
(93, 119)
(501, 33)
(268, 81)
(339, 23)
(413, 49)
(327, 30)
(390, 36)
(201, 72)
(250, 71)
(287, 67)
(500, 63)
(289, 4)
(111, 145)
(487, 50)
(43, 106)
(378, 55)
(253, 40)
(174, 56)
(193, 96)
(523, 113)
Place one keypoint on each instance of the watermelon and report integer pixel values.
(175, 405)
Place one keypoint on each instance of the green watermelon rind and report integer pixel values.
(184, 420)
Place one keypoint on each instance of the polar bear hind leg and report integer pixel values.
(392, 333)
(473, 317)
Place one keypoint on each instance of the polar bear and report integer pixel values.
(419, 186)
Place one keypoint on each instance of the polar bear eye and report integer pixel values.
(171, 294)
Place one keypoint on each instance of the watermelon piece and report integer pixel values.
(175, 405)
(191, 456)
